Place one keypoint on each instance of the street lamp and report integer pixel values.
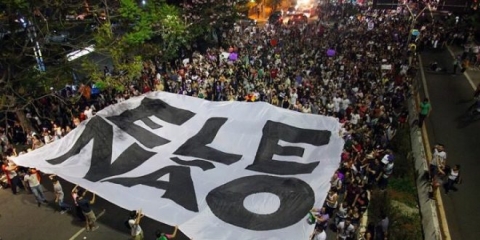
(414, 20)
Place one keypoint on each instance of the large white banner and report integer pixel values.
(219, 170)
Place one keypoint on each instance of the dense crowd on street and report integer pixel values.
(357, 70)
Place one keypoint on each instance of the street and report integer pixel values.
(450, 96)
(21, 218)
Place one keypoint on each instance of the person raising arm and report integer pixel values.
(134, 222)
(162, 236)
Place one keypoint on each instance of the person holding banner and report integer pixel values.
(10, 170)
(163, 236)
(134, 222)
(59, 195)
(37, 190)
(84, 204)
(78, 210)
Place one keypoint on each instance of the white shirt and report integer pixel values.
(293, 98)
(88, 113)
(336, 104)
(330, 106)
(439, 158)
(345, 103)
(354, 118)
(11, 174)
(306, 109)
(135, 229)
(475, 49)
(32, 180)
(344, 232)
(320, 236)
(453, 175)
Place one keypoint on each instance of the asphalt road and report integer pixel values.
(22, 219)
(450, 97)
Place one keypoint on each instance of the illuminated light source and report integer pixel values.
(80, 53)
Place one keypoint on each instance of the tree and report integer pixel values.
(29, 64)
(33, 59)
(204, 16)
(143, 32)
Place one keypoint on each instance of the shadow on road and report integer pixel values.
(466, 119)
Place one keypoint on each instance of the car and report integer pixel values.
(276, 18)
(307, 13)
(291, 11)
(298, 19)
(57, 37)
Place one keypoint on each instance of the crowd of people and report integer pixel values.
(354, 68)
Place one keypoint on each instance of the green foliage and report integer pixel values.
(401, 188)
(203, 16)
(22, 83)
(401, 146)
(146, 31)
(402, 224)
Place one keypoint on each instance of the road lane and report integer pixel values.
(450, 97)
(21, 218)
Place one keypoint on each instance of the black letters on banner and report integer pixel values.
(101, 132)
(226, 201)
(196, 146)
(275, 131)
(296, 199)
(150, 107)
(204, 165)
(179, 188)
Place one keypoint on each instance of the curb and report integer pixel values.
(436, 204)
(428, 209)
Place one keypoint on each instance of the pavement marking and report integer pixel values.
(83, 229)
(464, 73)
(439, 201)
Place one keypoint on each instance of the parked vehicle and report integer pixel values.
(291, 11)
(298, 19)
(57, 37)
(307, 13)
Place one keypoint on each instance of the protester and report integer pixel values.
(321, 217)
(37, 190)
(59, 195)
(424, 111)
(318, 234)
(338, 66)
(78, 209)
(345, 230)
(10, 170)
(159, 235)
(134, 222)
(453, 178)
(84, 204)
